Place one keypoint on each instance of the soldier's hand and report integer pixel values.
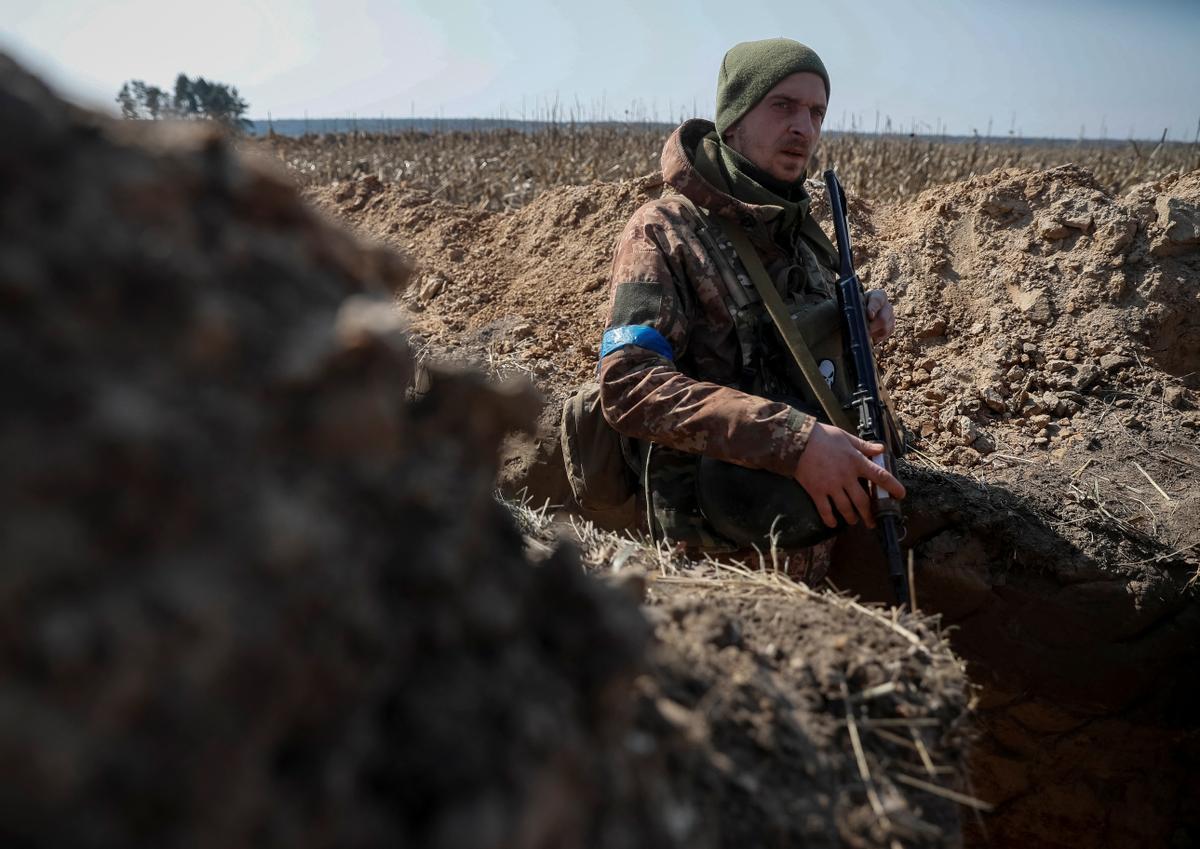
(880, 314)
(830, 468)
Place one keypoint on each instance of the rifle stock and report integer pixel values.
(867, 405)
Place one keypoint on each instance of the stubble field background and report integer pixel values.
(505, 169)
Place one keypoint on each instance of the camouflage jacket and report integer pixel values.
(678, 376)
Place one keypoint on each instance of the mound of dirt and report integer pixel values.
(252, 596)
(785, 716)
(528, 287)
(1030, 302)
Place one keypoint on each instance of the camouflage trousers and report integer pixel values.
(673, 513)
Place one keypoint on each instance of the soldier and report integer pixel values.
(688, 368)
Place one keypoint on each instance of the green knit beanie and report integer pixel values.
(752, 68)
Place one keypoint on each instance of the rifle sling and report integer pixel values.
(787, 328)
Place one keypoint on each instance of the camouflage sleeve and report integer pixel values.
(643, 394)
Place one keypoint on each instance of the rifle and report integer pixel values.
(875, 422)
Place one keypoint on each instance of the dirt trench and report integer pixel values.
(1048, 373)
(1045, 363)
(1087, 733)
(1083, 646)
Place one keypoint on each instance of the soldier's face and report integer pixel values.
(781, 132)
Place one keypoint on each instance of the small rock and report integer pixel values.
(993, 399)
(1000, 206)
(1080, 222)
(1086, 377)
(1052, 230)
(1135, 422)
(1071, 355)
(965, 429)
(1115, 362)
(933, 327)
(1067, 408)
(1176, 397)
(964, 456)
(1119, 234)
(1039, 310)
(985, 444)
(1180, 221)
(1039, 420)
(1123, 403)
(919, 376)
(926, 363)
(433, 286)
(1041, 441)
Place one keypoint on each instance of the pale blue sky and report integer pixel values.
(1056, 66)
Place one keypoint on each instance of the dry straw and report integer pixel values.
(893, 723)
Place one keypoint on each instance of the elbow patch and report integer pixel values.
(616, 338)
(636, 302)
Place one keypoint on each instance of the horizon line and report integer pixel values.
(927, 130)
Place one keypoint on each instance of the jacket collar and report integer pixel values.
(693, 172)
(700, 179)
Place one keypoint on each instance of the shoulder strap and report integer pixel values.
(778, 311)
(787, 328)
(711, 239)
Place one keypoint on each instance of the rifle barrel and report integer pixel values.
(873, 424)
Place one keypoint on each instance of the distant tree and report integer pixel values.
(184, 102)
(129, 105)
(193, 99)
(140, 101)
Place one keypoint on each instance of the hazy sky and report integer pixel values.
(1041, 68)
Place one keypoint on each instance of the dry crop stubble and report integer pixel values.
(505, 169)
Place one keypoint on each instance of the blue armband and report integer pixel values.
(616, 338)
